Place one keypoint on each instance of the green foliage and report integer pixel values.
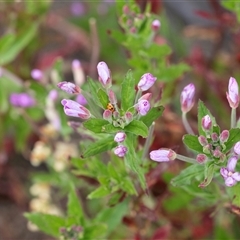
(192, 143)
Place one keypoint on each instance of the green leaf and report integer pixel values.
(50, 224)
(21, 41)
(153, 114)
(100, 192)
(202, 112)
(188, 175)
(109, 128)
(192, 143)
(133, 161)
(235, 198)
(113, 173)
(128, 186)
(103, 98)
(95, 231)
(128, 92)
(99, 147)
(74, 208)
(95, 124)
(158, 51)
(112, 217)
(93, 89)
(209, 173)
(234, 137)
(138, 128)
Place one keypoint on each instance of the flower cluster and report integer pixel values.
(116, 116)
(213, 146)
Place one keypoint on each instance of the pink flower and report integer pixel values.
(120, 137)
(146, 81)
(201, 158)
(230, 176)
(143, 106)
(232, 94)
(156, 25)
(81, 99)
(186, 98)
(69, 87)
(104, 74)
(74, 109)
(206, 123)
(224, 136)
(163, 155)
(120, 151)
(23, 100)
(36, 74)
(237, 148)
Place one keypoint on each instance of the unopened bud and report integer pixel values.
(107, 115)
(217, 153)
(146, 81)
(112, 97)
(69, 87)
(214, 137)
(120, 137)
(224, 136)
(163, 155)
(202, 140)
(37, 74)
(128, 117)
(201, 158)
(206, 123)
(232, 94)
(120, 151)
(156, 25)
(143, 106)
(104, 74)
(187, 98)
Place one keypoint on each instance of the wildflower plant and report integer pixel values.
(216, 151)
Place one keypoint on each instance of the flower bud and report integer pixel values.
(78, 73)
(207, 149)
(206, 123)
(128, 117)
(214, 137)
(232, 94)
(120, 151)
(163, 155)
(112, 97)
(202, 140)
(53, 95)
(120, 137)
(237, 148)
(224, 136)
(143, 106)
(69, 87)
(81, 99)
(201, 158)
(146, 81)
(37, 74)
(156, 25)
(186, 98)
(104, 74)
(146, 96)
(107, 115)
(217, 153)
(74, 109)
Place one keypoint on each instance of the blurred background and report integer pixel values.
(204, 37)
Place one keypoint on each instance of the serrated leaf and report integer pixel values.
(192, 143)
(95, 124)
(138, 128)
(234, 137)
(153, 114)
(128, 92)
(100, 192)
(74, 208)
(202, 112)
(47, 223)
(188, 175)
(103, 98)
(99, 147)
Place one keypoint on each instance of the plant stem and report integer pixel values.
(233, 118)
(148, 141)
(139, 92)
(186, 159)
(186, 124)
